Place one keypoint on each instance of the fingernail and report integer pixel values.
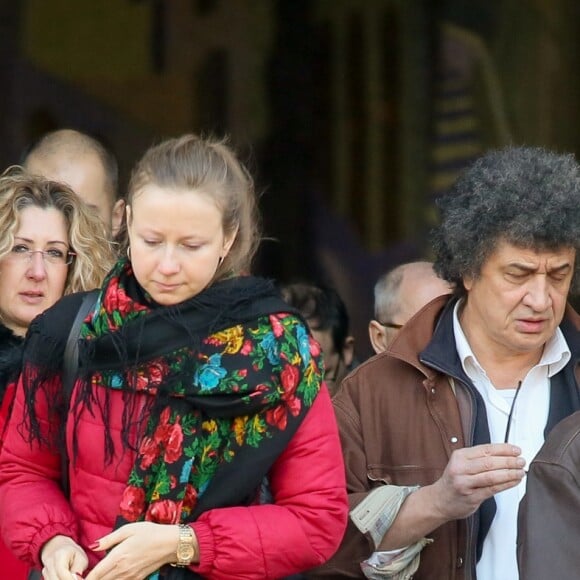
(94, 546)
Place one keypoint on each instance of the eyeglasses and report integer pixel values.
(330, 373)
(390, 324)
(509, 421)
(52, 256)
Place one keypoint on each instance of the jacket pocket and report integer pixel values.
(402, 475)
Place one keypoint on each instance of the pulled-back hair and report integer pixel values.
(526, 196)
(209, 167)
(86, 231)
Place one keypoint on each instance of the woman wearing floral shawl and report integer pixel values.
(201, 439)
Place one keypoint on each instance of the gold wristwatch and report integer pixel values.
(185, 546)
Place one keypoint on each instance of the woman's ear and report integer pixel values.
(229, 242)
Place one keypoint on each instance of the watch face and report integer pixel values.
(185, 552)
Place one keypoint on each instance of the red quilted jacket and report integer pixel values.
(302, 529)
(10, 566)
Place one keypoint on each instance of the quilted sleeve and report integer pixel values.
(33, 508)
(302, 527)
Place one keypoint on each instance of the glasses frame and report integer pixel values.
(19, 257)
(391, 324)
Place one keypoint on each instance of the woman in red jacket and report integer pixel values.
(43, 255)
(202, 442)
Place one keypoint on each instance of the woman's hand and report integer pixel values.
(63, 558)
(136, 550)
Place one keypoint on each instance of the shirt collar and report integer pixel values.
(555, 356)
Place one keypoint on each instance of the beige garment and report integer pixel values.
(374, 516)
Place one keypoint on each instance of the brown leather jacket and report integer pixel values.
(400, 420)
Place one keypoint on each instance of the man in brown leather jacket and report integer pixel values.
(462, 399)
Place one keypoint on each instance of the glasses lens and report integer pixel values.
(55, 257)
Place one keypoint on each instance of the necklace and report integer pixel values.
(509, 421)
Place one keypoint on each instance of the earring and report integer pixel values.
(129, 252)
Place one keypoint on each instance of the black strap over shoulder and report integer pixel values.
(69, 370)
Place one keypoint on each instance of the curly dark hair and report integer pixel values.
(527, 196)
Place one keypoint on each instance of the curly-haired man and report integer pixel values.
(438, 430)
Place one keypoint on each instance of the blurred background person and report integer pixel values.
(50, 245)
(86, 165)
(399, 295)
(328, 320)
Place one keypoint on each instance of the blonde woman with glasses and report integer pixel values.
(51, 244)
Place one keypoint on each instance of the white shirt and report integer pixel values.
(529, 417)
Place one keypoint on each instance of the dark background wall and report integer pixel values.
(354, 115)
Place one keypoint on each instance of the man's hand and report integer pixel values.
(136, 550)
(63, 558)
(474, 474)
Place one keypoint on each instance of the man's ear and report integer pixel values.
(117, 216)
(378, 336)
(348, 351)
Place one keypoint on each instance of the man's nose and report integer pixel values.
(538, 293)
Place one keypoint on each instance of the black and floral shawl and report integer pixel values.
(230, 373)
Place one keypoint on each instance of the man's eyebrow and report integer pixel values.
(560, 268)
(520, 266)
(530, 268)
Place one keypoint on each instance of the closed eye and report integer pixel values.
(518, 276)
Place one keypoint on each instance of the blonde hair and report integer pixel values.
(210, 167)
(87, 233)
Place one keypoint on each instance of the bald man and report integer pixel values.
(85, 165)
(399, 295)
